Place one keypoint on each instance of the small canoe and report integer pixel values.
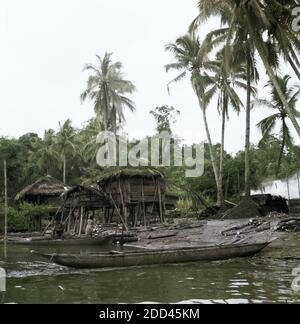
(84, 241)
(150, 257)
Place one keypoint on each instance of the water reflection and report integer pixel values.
(236, 281)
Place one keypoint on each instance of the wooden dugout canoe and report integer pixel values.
(83, 241)
(150, 257)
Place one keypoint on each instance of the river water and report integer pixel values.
(250, 280)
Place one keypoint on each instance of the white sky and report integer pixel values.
(45, 44)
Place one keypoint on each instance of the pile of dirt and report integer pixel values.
(247, 208)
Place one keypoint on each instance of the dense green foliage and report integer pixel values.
(28, 159)
(24, 218)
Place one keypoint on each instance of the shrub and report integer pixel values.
(24, 218)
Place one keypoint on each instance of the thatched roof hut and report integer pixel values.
(46, 190)
(81, 203)
(138, 194)
(88, 197)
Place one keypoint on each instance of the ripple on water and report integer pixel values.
(231, 282)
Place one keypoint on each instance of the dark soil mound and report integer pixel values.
(247, 208)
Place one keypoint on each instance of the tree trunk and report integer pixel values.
(280, 156)
(65, 170)
(247, 137)
(288, 188)
(213, 159)
(221, 169)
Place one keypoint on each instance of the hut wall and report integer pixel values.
(135, 189)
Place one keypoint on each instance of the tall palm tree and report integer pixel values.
(191, 59)
(238, 52)
(226, 81)
(242, 53)
(107, 87)
(279, 114)
(65, 144)
(257, 17)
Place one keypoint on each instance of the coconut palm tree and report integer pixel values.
(256, 18)
(226, 81)
(64, 144)
(191, 59)
(238, 52)
(279, 114)
(107, 87)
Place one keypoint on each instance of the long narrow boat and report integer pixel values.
(83, 241)
(150, 257)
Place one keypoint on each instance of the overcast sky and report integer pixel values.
(45, 44)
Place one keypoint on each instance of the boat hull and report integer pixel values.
(66, 242)
(141, 258)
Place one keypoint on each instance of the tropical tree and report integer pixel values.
(191, 59)
(225, 83)
(256, 18)
(108, 88)
(87, 137)
(279, 114)
(164, 117)
(239, 53)
(65, 144)
(46, 156)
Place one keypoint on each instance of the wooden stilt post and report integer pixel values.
(118, 211)
(69, 220)
(160, 205)
(123, 204)
(5, 207)
(144, 207)
(81, 220)
(298, 178)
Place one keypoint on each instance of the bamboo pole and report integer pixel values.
(160, 204)
(118, 211)
(123, 203)
(5, 201)
(298, 178)
(81, 220)
(5, 209)
(143, 198)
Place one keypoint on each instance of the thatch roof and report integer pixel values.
(92, 190)
(46, 186)
(113, 174)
